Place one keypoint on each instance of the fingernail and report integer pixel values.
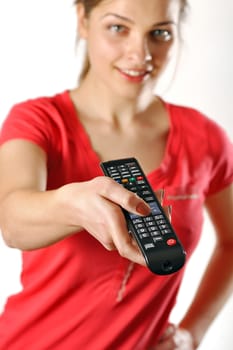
(143, 209)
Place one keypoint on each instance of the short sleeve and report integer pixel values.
(30, 121)
(221, 151)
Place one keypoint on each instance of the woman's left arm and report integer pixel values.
(217, 283)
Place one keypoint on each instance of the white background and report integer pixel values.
(38, 58)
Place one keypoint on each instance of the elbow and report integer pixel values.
(5, 227)
(11, 241)
(9, 230)
(11, 236)
(7, 239)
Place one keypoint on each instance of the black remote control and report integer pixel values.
(154, 234)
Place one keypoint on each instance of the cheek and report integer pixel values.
(102, 52)
(163, 54)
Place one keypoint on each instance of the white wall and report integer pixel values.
(37, 58)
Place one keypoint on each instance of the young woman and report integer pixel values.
(85, 283)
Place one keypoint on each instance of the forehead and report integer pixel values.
(141, 10)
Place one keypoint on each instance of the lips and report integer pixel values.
(135, 75)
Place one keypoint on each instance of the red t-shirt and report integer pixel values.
(78, 295)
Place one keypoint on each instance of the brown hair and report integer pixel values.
(89, 5)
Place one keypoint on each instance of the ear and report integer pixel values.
(82, 21)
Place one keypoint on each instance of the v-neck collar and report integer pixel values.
(171, 148)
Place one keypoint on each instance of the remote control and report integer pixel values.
(154, 233)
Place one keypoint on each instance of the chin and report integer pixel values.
(144, 90)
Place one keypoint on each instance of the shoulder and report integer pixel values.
(185, 115)
(195, 123)
(206, 143)
(40, 120)
(41, 113)
(39, 105)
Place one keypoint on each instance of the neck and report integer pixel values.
(99, 102)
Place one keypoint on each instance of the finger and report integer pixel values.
(128, 200)
(169, 332)
(109, 246)
(167, 344)
(183, 339)
(128, 248)
(120, 238)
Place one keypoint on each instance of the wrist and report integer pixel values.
(196, 338)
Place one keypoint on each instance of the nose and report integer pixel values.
(139, 51)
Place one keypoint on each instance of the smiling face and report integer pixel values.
(129, 42)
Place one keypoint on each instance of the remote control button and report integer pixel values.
(149, 246)
(148, 219)
(137, 220)
(154, 208)
(149, 198)
(157, 217)
(145, 193)
(142, 230)
(135, 173)
(162, 227)
(132, 179)
(125, 173)
(144, 235)
(155, 233)
(140, 182)
(124, 181)
(150, 223)
(141, 225)
(165, 232)
(171, 242)
(157, 239)
(159, 222)
(133, 216)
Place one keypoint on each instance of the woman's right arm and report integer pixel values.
(32, 218)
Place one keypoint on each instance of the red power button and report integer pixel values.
(171, 242)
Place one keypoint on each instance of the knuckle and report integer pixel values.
(106, 240)
(129, 199)
(107, 184)
(108, 245)
(123, 252)
(100, 181)
(114, 218)
(124, 249)
(108, 188)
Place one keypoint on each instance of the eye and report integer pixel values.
(117, 28)
(161, 35)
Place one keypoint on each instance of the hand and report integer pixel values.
(175, 338)
(95, 206)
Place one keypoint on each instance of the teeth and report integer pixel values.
(133, 73)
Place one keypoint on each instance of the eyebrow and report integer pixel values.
(131, 21)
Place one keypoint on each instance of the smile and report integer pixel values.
(135, 75)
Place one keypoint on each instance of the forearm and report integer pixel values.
(33, 219)
(212, 294)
